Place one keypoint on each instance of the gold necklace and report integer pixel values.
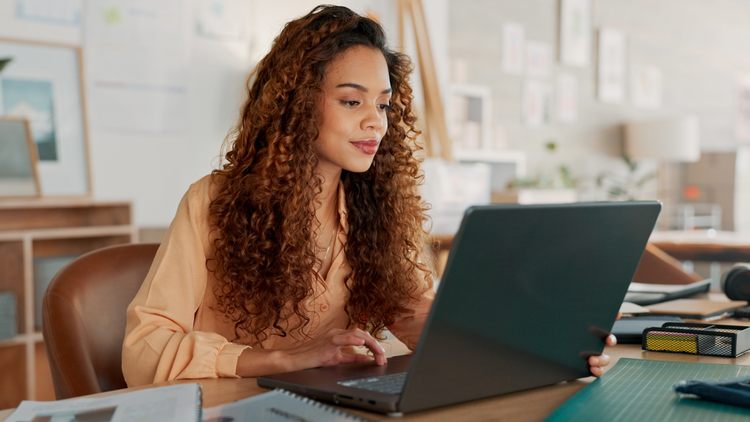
(328, 219)
(330, 243)
(324, 228)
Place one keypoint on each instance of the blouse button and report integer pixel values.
(324, 307)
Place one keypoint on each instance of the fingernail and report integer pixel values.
(382, 349)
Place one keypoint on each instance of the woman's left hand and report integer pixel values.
(596, 362)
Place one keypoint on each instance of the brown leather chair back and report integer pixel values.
(83, 317)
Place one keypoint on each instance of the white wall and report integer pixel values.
(700, 47)
(154, 171)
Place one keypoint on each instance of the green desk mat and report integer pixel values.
(641, 390)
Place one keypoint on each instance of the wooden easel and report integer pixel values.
(434, 128)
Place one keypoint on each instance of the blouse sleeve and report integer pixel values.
(160, 343)
(410, 320)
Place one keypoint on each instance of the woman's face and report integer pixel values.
(356, 96)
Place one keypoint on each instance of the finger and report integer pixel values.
(602, 360)
(378, 352)
(619, 315)
(372, 344)
(361, 358)
(596, 371)
(350, 350)
(344, 340)
(611, 340)
(344, 358)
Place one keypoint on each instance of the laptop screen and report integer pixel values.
(528, 293)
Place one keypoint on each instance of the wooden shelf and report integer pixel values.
(32, 230)
(35, 337)
(484, 155)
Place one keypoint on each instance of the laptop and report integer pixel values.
(529, 292)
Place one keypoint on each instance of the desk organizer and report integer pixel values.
(698, 339)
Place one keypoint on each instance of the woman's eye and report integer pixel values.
(351, 103)
(384, 106)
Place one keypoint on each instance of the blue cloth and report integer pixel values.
(734, 390)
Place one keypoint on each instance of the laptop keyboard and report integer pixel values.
(391, 384)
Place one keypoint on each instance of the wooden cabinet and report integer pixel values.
(36, 238)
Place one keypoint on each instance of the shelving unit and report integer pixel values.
(39, 229)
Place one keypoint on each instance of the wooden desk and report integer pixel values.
(530, 405)
(694, 245)
(704, 245)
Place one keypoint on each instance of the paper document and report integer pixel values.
(177, 403)
(278, 406)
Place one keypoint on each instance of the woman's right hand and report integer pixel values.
(330, 348)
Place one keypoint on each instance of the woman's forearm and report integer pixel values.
(259, 362)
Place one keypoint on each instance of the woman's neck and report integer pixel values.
(327, 197)
(329, 189)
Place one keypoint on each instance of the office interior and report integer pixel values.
(536, 110)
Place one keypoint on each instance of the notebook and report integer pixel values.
(529, 292)
(647, 294)
(277, 406)
(629, 330)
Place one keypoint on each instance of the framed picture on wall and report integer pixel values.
(43, 84)
(538, 58)
(742, 123)
(18, 173)
(535, 107)
(566, 97)
(513, 48)
(575, 32)
(611, 66)
(646, 86)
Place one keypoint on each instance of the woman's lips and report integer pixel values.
(369, 146)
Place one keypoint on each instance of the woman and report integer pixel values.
(310, 239)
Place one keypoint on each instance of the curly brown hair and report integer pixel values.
(265, 208)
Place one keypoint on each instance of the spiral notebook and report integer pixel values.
(278, 406)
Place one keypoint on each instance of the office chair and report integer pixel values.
(83, 317)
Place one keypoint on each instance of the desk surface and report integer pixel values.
(530, 405)
(704, 245)
(693, 245)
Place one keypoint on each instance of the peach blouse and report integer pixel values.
(173, 331)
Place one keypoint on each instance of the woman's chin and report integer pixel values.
(359, 166)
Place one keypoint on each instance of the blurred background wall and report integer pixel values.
(699, 48)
